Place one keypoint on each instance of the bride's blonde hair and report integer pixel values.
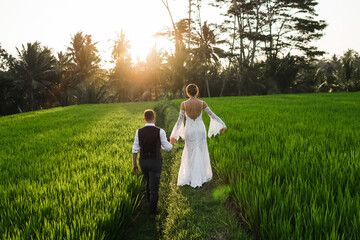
(192, 90)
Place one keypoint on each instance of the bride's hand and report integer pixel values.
(223, 130)
(172, 140)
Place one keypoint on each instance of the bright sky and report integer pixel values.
(343, 30)
(53, 22)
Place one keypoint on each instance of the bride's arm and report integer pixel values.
(178, 130)
(216, 124)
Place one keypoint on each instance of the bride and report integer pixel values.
(195, 168)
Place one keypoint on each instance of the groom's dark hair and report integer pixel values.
(149, 114)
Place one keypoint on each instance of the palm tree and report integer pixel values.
(7, 61)
(84, 57)
(350, 71)
(207, 54)
(120, 75)
(64, 83)
(327, 74)
(9, 94)
(176, 68)
(154, 69)
(94, 90)
(35, 69)
(84, 66)
(120, 52)
(178, 64)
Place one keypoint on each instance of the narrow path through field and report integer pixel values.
(186, 213)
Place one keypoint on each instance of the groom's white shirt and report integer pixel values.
(164, 142)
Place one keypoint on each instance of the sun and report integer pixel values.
(141, 45)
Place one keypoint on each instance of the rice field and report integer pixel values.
(65, 173)
(292, 162)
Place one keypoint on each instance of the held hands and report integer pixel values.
(172, 140)
(135, 170)
(223, 130)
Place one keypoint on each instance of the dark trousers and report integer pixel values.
(151, 169)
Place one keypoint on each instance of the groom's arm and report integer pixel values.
(135, 167)
(164, 142)
(135, 150)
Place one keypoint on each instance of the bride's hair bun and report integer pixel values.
(192, 90)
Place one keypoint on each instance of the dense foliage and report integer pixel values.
(260, 47)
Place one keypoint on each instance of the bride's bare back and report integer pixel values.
(195, 167)
(193, 108)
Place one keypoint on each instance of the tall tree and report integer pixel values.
(120, 53)
(189, 22)
(271, 29)
(35, 68)
(243, 24)
(84, 55)
(292, 24)
(339, 73)
(154, 70)
(177, 69)
(7, 61)
(64, 83)
(327, 75)
(84, 70)
(207, 53)
(120, 75)
(350, 71)
(177, 60)
(9, 94)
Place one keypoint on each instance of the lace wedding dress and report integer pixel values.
(195, 168)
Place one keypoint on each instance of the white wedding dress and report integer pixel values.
(195, 168)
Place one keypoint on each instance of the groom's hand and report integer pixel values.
(172, 140)
(135, 170)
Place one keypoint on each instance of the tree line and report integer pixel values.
(260, 47)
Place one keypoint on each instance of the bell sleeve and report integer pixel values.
(179, 129)
(216, 124)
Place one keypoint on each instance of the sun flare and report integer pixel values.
(142, 45)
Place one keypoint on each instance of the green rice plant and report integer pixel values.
(65, 173)
(292, 162)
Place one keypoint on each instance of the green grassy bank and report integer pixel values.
(292, 162)
(287, 168)
(65, 173)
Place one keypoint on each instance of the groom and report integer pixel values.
(148, 140)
